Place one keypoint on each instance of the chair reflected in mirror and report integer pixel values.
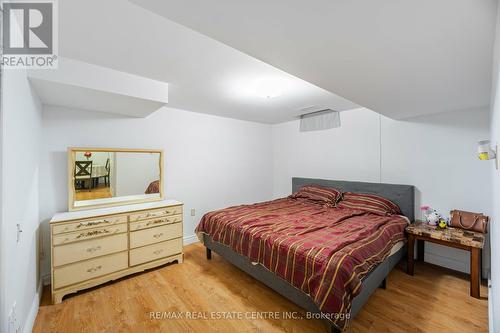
(101, 171)
(108, 170)
(83, 174)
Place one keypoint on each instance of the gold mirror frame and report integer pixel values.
(71, 188)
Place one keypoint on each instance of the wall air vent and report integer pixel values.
(319, 120)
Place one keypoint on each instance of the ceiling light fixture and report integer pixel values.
(268, 88)
(263, 87)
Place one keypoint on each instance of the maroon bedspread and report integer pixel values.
(323, 251)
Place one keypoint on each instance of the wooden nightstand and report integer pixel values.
(453, 237)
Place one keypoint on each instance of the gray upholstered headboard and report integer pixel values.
(402, 195)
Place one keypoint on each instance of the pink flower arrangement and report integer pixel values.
(424, 208)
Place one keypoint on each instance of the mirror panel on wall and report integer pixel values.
(102, 177)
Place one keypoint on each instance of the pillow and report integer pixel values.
(320, 194)
(368, 202)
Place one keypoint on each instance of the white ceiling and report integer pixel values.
(401, 58)
(204, 75)
(79, 85)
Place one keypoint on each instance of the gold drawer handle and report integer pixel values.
(155, 222)
(88, 224)
(93, 249)
(150, 214)
(158, 235)
(93, 233)
(157, 252)
(94, 269)
(172, 221)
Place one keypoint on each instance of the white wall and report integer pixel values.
(210, 162)
(21, 128)
(435, 153)
(348, 152)
(438, 154)
(494, 226)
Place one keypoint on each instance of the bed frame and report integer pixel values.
(402, 195)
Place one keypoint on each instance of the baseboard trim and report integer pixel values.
(35, 305)
(447, 262)
(190, 239)
(491, 317)
(46, 279)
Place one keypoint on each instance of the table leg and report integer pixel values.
(411, 254)
(475, 268)
(420, 249)
(209, 254)
(480, 266)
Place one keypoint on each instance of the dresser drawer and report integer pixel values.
(68, 253)
(86, 224)
(89, 269)
(155, 235)
(155, 251)
(155, 222)
(88, 234)
(149, 214)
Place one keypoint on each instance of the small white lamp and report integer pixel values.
(486, 152)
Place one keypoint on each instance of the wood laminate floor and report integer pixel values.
(95, 193)
(434, 300)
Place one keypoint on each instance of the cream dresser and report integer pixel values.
(94, 246)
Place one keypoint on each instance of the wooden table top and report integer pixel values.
(452, 235)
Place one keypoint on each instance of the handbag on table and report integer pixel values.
(469, 221)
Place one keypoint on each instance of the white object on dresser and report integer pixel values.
(91, 247)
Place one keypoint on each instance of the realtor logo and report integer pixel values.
(29, 34)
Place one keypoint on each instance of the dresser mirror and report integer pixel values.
(103, 177)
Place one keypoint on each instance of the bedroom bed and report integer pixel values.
(326, 260)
